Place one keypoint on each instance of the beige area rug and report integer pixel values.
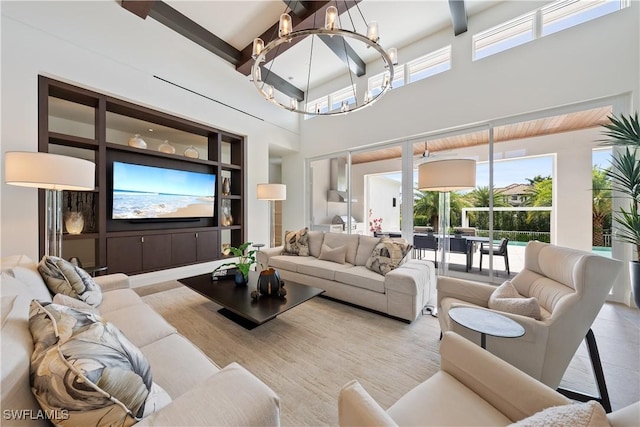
(308, 353)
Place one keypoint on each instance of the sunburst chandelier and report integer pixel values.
(332, 28)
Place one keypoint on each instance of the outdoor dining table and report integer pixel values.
(467, 248)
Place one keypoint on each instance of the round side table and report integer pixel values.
(486, 322)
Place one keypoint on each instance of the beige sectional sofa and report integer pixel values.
(202, 393)
(401, 293)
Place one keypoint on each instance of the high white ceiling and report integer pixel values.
(401, 23)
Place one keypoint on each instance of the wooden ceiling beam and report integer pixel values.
(346, 54)
(281, 85)
(315, 9)
(458, 16)
(140, 8)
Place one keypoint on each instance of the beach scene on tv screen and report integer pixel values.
(145, 192)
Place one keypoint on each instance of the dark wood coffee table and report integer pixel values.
(237, 303)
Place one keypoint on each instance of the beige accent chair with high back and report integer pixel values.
(570, 285)
(472, 388)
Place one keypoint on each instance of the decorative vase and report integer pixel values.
(137, 142)
(227, 219)
(74, 221)
(239, 278)
(634, 274)
(165, 147)
(226, 186)
(191, 152)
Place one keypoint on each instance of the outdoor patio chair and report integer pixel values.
(500, 250)
(426, 243)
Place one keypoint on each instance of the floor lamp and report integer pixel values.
(444, 176)
(53, 173)
(271, 192)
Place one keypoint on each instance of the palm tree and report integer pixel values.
(426, 204)
(601, 212)
(479, 198)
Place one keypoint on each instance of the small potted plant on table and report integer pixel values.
(243, 264)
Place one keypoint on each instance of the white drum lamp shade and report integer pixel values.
(272, 192)
(53, 173)
(447, 175)
(49, 171)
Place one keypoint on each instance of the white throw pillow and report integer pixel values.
(334, 255)
(67, 301)
(588, 414)
(506, 298)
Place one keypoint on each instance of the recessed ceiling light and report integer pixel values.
(150, 130)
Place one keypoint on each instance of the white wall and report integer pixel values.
(381, 191)
(600, 58)
(101, 46)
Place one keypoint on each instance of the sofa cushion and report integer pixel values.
(333, 240)
(296, 242)
(333, 255)
(315, 242)
(388, 255)
(67, 301)
(443, 407)
(117, 299)
(86, 366)
(366, 245)
(140, 324)
(506, 298)
(288, 262)
(177, 364)
(361, 277)
(587, 414)
(322, 269)
(65, 278)
(31, 278)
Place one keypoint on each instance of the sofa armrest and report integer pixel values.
(505, 387)
(231, 397)
(629, 416)
(114, 281)
(466, 290)
(263, 255)
(356, 407)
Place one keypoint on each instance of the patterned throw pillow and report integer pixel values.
(506, 298)
(296, 242)
(62, 277)
(334, 255)
(388, 255)
(86, 367)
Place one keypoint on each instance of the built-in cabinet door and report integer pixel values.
(183, 248)
(207, 245)
(156, 251)
(124, 254)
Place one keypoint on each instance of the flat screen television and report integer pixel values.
(143, 192)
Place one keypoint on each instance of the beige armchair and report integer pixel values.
(570, 286)
(472, 388)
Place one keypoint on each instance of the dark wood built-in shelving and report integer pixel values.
(136, 247)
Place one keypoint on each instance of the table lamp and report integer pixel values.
(53, 173)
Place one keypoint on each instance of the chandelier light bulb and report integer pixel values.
(330, 18)
(284, 28)
(258, 47)
(372, 31)
(293, 103)
(386, 81)
(258, 75)
(367, 97)
(269, 92)
(317, 108)
(393, 55)
(345, 106)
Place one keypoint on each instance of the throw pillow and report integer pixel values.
(388, 255)
(588, 414)
(62, 277)
(334, 255)
(506, 298)
(296, 242)
(86, 366)
(67, 301)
